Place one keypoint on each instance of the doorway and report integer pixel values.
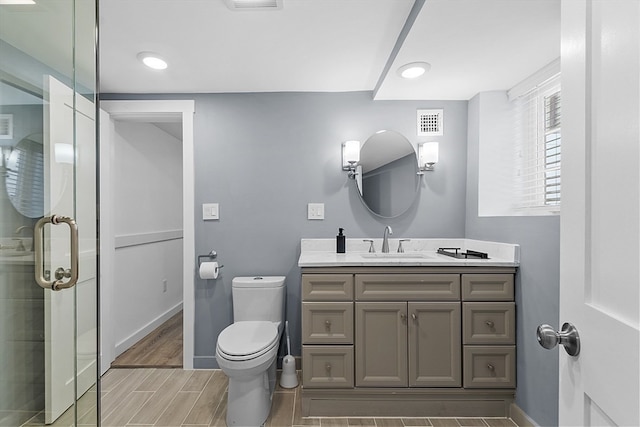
(123, 245)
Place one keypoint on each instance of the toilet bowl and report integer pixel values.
(247, 350)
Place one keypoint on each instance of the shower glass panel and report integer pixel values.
(48, 338)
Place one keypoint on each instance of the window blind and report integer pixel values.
(538, 147)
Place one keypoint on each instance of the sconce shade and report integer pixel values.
(63, 153)
(427, 155)
(350, 154)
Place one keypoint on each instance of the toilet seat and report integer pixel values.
(247, 340)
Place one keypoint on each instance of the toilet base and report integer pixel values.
(249, 398)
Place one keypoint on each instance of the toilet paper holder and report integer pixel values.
(211, 256)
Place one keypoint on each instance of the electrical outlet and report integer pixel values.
(164, 285)
(315, 211)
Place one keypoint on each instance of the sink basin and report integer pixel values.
(395, 255)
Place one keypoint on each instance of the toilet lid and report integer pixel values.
(247, 338)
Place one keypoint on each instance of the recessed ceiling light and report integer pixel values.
(413, 70)
(254, 4)
(152, 60)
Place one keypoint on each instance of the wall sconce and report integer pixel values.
(427, 156)
(350, 157)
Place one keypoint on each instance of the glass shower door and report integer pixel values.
(48, 238)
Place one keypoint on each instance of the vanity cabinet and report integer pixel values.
(403, 341)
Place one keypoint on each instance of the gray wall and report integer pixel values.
(537, 281)
(263, 157)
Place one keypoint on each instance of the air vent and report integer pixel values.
(430, 122)
(254, 4)
(6, 126)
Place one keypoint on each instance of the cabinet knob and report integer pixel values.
(489, 323)
(414, 317)
(491, 367)
(403, 317)
(327, 324)
(328, 367)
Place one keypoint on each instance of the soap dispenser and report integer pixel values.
(340, 241)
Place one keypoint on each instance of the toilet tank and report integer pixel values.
(258, 298)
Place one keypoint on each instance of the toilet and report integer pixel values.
(247, 350)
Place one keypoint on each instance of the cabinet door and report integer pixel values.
(327, 366)
(327, 323)
(435, 344)
(381, 344)
(489, 322)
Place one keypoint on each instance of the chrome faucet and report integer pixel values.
(17, 233)
(385, 239)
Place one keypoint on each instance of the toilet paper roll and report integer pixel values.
(209, 270)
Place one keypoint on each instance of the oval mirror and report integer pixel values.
(24, 176)
(387, 178)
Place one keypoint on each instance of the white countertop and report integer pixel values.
(417, 252)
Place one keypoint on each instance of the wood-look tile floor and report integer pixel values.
(162, 348)
(173, 397)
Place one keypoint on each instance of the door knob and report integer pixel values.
(568, 337)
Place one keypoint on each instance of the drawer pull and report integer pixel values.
(327, 324)
(489, 323)
(491, 367)
(328, 367)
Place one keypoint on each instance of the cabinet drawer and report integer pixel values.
(489, 367)
(489, 322)
(327, 323)
(487, 287)
(327, 287)
(407, 287)
(327, 366)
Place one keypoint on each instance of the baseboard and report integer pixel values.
(126, 344)
(520, 417)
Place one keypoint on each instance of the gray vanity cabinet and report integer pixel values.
(403, 341)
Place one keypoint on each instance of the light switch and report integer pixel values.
(315, 211)
(210, 211)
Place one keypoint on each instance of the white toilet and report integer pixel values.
(247, 350)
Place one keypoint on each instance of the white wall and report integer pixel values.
(147, 213)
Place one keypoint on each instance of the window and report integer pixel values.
(539, 148)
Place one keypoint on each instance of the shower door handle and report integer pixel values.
(42, 277)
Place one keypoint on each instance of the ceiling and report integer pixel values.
(306, 46)
(327, 46)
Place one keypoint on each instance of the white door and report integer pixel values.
(600, 220)
(70, 321)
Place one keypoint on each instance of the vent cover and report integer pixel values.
(430, 122)
(254, 4)
(6, 126)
